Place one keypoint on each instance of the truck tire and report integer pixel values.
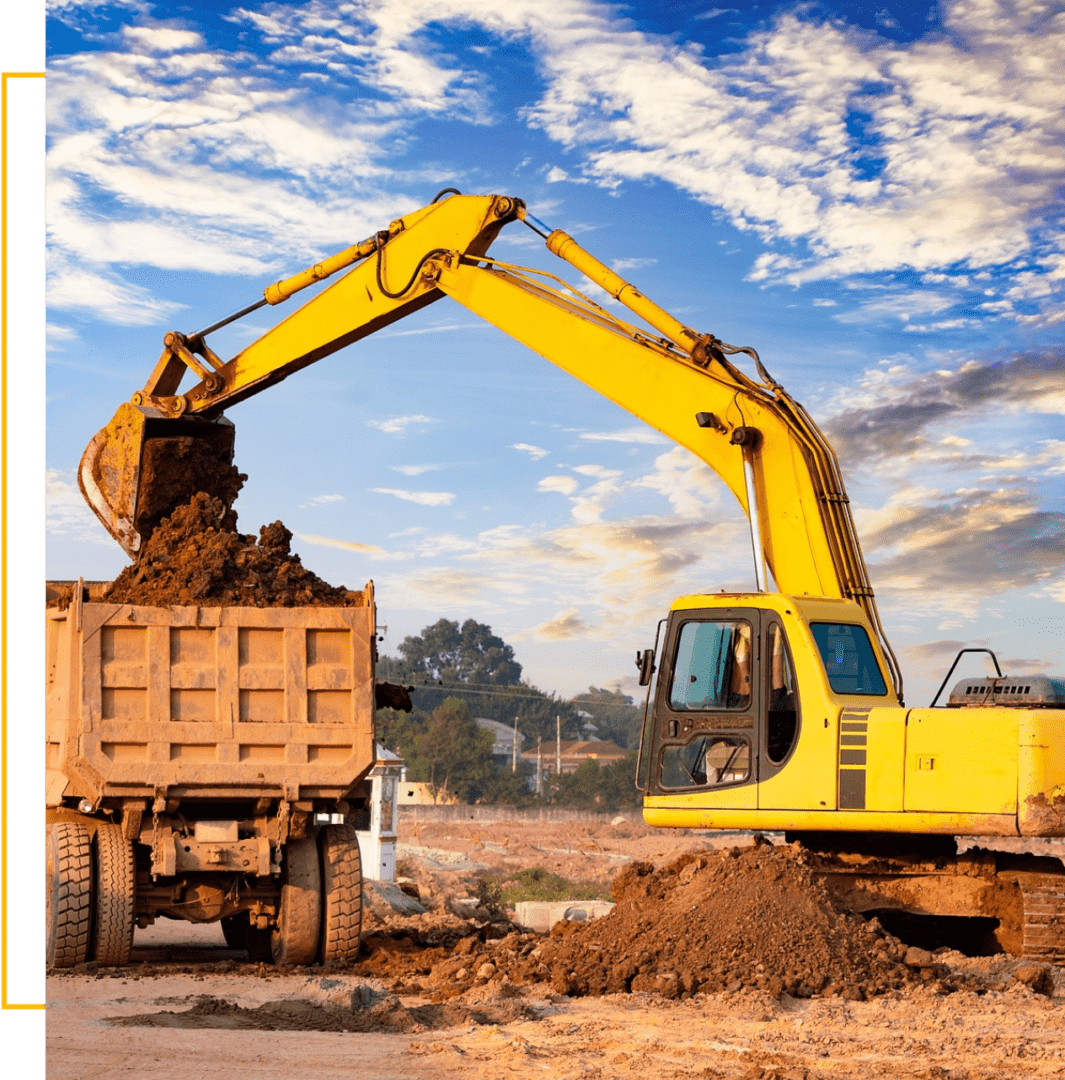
(68, 893)
(115, 881)
(299, 920)
(341, 893)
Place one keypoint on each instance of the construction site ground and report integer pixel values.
(721, 960)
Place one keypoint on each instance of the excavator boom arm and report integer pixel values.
(758, 439)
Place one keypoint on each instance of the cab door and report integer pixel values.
(708, 701)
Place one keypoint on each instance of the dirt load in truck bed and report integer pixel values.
(196, 556)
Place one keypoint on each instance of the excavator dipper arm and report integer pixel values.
(758, 439)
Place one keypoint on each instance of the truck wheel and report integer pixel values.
(341, 893)
(299, 920)
(68, 893)
(116, 894)
(235, 930)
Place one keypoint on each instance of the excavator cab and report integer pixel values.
(724, 714)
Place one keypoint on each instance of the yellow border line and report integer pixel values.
(4, 1003)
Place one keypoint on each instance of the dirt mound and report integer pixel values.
(196, 556)
(754, 917)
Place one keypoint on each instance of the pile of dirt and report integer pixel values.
(755, 918)
(196, 556)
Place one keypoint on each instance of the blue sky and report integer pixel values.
(870, 195)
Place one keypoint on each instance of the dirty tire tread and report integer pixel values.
(69, 895)
(299, 920)
(116, 893)
(341, 894)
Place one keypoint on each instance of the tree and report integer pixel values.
(615, 716)
(611, 787)
(473, 654)
(446, 749)
(476, 665)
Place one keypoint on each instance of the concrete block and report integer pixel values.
(541, 915)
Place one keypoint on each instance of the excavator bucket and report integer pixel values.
(143, 465)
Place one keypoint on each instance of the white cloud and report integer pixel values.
(859, 153)
(640, 434)
(422, 498)
(535, 452)
(325, 500)
(901, 305)
(66, 513)
(162, 38)
(398, 424)
(564, 485)
(691, 486)
(596, 470)
(103, 294)
(414, 470)
(556, 174)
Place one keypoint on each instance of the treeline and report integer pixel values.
(463, 672)
(472, 664)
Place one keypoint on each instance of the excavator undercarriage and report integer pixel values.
(982, 899)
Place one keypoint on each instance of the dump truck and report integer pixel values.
(780, 708)
(206, 764)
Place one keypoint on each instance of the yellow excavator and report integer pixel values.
(778, 711)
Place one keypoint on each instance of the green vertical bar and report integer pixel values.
(22, 49)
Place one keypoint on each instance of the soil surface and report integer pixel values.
(196, 556)
(175, 469)
(687, 977)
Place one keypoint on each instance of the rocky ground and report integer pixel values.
(722, 959)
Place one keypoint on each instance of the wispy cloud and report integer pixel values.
(66, 513)
(422, 498)
(535, 452)
(346, 545)
(397, 425)
(325, 500)
(845, 152)
(567, 624)
(638, 434)
(414, 470)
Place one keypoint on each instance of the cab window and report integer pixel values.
(712, 666)
(782, 721)
(707, 761)
(849, 660)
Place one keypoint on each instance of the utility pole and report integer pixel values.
(514, 748)
(539, 765)
(558, 744)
